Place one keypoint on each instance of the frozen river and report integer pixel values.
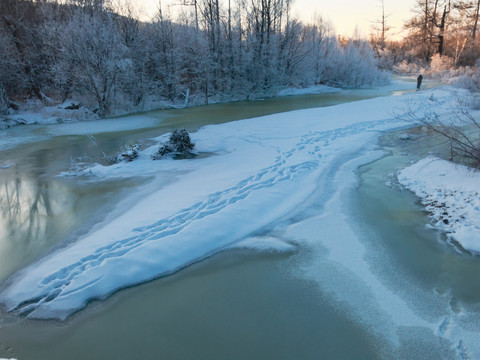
(351, 273)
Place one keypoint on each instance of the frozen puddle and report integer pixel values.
(266, 170)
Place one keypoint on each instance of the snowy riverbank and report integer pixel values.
(318, 89)
(261, 170)
(450, 194)
(36, 113)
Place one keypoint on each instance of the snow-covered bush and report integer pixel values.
(179, 143)
(465, 81)
(356, 66)
(410, 67)
(465, 77)
(129, 154)
(443, 69)
(440, 63)
(385, 59)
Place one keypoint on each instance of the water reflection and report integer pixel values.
(35, 212)
(39, 211)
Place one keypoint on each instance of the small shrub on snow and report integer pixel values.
(130, 154)
(410, 68)
(179, 143)
(470, 82)
(441, 63)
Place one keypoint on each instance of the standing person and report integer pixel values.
(419, 81)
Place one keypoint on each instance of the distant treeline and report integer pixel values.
(103, 56)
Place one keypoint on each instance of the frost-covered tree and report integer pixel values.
(164, 54)
(11, 75)
(322, 47)
(92, 57)
(101, 54)
(23, 55)
(357, 65)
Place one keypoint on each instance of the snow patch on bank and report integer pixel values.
(40, 114)
(311, 90)
(450, 193)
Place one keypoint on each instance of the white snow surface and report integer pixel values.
(263, 170)
(264, 244)
(41, 114)
(317, 89)
(450, 193)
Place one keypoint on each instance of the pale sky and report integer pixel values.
(347, 14)
(344, 14)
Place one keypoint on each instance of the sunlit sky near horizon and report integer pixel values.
(345, 15)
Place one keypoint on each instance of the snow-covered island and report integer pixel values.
(450, 194)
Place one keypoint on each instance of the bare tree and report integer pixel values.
(469, 12)
(459, 127)
(427, 26)
(381, 27)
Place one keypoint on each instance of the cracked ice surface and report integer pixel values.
(265, 169)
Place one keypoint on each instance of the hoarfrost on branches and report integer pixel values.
(106, 59)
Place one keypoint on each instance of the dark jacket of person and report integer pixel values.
(419, 81)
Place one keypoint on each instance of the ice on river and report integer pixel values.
(263, 170)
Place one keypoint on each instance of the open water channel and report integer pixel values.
(239, 304)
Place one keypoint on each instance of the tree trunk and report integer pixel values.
(441, 27)
(475, 24)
